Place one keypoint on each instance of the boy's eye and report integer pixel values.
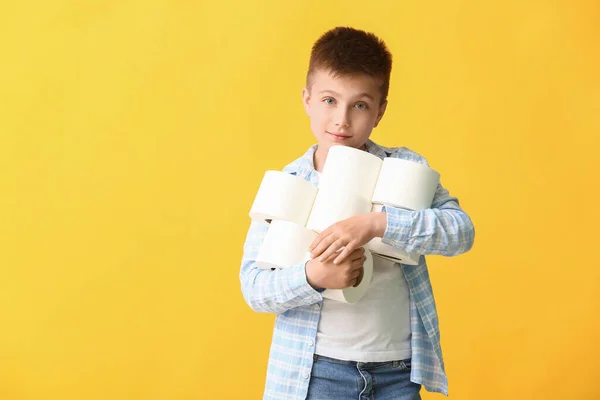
(329, 100)
(361, 106)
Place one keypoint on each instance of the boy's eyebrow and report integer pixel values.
(365, 94)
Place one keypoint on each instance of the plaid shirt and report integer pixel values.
(443, 229)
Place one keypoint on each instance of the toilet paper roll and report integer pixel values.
(388, 252)
(285, 245)
(351, 171)
(405, 184)
(353, 294)
(283, 196)
(332, 205)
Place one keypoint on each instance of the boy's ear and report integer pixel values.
(382, 108)
(306, 99)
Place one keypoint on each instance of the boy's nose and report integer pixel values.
(342, 118)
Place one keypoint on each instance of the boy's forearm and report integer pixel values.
(277, 291)
(442, 231)
(272, 291)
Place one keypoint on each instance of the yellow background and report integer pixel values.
(133, 138)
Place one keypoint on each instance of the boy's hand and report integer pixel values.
(327, 275)
(349, 234)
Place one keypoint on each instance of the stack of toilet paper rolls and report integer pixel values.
(353, 182)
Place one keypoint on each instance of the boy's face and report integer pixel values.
(342, 110)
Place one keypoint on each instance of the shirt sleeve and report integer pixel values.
(444, 229)
(272, 291)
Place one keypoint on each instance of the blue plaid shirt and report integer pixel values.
(443, 229)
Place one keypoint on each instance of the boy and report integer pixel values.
(388, 344)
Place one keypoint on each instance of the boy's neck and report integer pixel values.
(319, 158)
(321, 155)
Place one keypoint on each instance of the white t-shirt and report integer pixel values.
(374, 329)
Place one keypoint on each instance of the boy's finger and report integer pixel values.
(359, 278)
(323, 244)
(358, 256)
(349, 249)
(355, 254)
(331, 257)
(319, 238)
(314, 243)
(333, 248)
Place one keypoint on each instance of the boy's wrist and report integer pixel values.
(378, 223)
(310, 278)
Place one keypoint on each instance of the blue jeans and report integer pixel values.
(345, 380)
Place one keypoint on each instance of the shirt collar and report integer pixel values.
(377, 150)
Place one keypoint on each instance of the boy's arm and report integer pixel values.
(443, 229)
(273, 291)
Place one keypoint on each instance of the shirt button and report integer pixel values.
(305, 375)
(311, 343)
(317, 307)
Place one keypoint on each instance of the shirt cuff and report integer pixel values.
(298, 282)
(399, 225)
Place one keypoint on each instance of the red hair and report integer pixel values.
(349, 51)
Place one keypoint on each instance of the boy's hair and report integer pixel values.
(349, 51)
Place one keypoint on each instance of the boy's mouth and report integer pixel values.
(338, 136)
